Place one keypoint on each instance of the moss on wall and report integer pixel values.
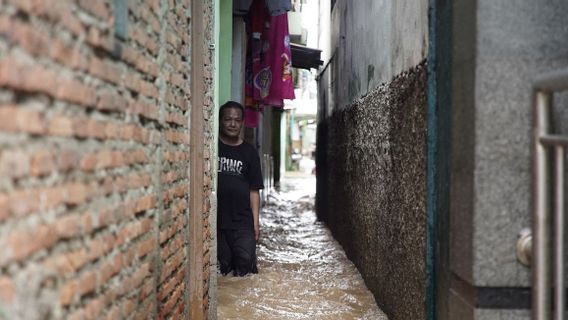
(372, 166)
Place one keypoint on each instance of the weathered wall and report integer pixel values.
(373, 41)
(94, 149)
(499, 48)
(209, 112)
(375, 197)
(371, 146)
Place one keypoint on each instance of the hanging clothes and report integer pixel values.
(252, 116)
(268, 78)
(278, 7)
(241, 7)
(279, 60)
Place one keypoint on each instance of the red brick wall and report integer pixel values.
(94, 156)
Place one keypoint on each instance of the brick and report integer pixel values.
(105, 70)
(68, 292)
(17, 119)
(172, 229)
(173, 40)
(179, 137)
(94, 308)
(171, 284)
(67, 262)
(96, 39)
(135, 280)
(177, 118)
(50, 198)
(72, 23)
(35, 78)
(67, 160)
(34, 41)
(146, 290)
(145, 247)
(172, 176)
(108, 270)
(67, 55)
(60, 126)
(98, 9)
(128, 306)
(112, 159)
(23, 202)
(42, 162)
(114, 314)
(100, 246)
(4, 207)
(51, 9)
(76, 193)
(14, 164)
(145, 203)
(68, 226)
(144, 39)
(172, 247)
(88, 283)
(133, 82)
(111, 100)
(72, 90)
(7, 290)
(146, 110)
(22, 243)
(172, 301)
(133, 230)
(148, 89)
(155, 5)
(171, 265)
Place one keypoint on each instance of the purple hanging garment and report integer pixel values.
(251, 117)
(269, 64)
(279, 59)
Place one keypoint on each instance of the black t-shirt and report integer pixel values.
(238, 173)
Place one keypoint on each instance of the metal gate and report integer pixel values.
(548, 290)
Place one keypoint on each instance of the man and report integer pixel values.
(238, 198)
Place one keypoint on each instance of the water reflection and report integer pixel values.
(303, 272)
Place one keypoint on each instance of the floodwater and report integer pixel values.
(303, 271)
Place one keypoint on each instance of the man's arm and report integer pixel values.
(255, 206)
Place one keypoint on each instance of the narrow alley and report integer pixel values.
(303, 271)
(407, 159)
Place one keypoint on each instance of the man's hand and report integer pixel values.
(256, 232)
(255, 206)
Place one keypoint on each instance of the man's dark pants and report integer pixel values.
(236, 250)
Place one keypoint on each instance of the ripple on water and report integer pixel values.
(303, 271)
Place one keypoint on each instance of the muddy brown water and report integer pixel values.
(303, 271)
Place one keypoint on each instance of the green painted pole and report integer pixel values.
(438, 158)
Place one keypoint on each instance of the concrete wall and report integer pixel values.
(94, 150)
(499, 47)
(371, 146)
(374, 40)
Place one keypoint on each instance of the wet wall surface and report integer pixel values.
(371, 168)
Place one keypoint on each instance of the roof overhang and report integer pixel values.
(304, 57)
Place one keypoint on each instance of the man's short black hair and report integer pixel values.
(231, 104)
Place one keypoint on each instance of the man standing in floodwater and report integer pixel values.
(238, 198)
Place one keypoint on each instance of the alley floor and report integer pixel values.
(303, 271)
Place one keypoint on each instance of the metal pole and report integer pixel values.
(560, 293)
(271, 172)
(541, 294)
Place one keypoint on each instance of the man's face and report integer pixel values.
(231, 122)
